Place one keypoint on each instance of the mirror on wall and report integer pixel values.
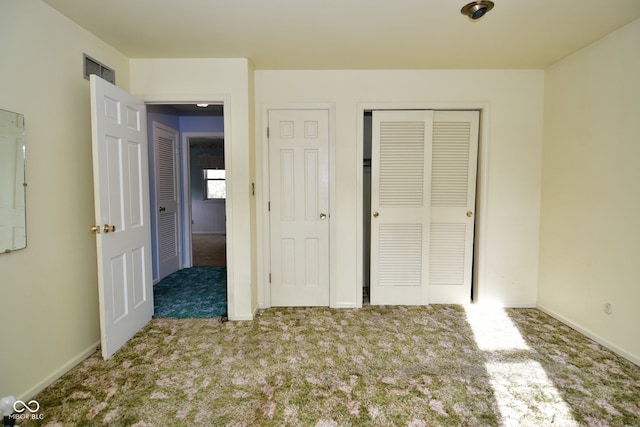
(13, 230)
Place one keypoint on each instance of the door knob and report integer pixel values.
(162, 209)
(376, 214)
(323, 215)
(469, 214)
(95, 229)
(108, 228)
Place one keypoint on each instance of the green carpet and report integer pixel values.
(375, 366)
(192, 293)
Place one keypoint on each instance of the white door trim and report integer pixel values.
(263, 258)
(186, 189)
(479, 267)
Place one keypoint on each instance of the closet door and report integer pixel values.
(453, 194)
(168, 220)
(299, 207)
(400, 206)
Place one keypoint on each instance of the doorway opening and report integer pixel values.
(207, 197)
(196, 285)
(366, 219)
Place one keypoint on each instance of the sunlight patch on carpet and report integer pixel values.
(517, 384)
(517, 379)
(493, 330)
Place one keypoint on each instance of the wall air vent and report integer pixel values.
(91, 66)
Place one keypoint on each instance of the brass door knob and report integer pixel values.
(95, 229)
(469, 214)
(323, 215)
(109, 228)
(162, 209)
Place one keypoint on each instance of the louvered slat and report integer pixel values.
(400, 254)
(166, 187)
(401, 163)
(447, 252)
(168, 245)
(449, 176)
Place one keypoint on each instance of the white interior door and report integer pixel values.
(299, 207)
(165, 141)
(121, 187)
(453, 196)
(400, 206)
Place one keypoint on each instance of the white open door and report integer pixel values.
(168, 222)
(299, 207)
(123, 232)
(400, 206)
(453, 198)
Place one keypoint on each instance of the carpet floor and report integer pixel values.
(209, 249)
(192, 293)
(377, 366)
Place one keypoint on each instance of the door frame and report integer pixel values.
(482, 183)
(186, 189)
(225, 101)
(262, 203)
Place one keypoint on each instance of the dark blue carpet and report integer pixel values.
(196, 292)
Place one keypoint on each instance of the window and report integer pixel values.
(215, 186)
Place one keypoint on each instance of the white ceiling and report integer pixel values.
(352, 34)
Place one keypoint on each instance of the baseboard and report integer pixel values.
(597, 338)
(494, 304)
(346, 305)
(244, 317)
(217, 233)
(520, 306)
(33, 391)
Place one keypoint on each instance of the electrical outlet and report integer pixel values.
(608, 308)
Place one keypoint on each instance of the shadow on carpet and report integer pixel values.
(192, 293)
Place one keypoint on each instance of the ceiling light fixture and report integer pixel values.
(476, 9)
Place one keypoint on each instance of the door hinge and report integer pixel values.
(269, 206)
(267, 132)
(269, 277)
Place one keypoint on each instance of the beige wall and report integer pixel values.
(590, 237)
(512, 149)
(230, 81)
(48, 292)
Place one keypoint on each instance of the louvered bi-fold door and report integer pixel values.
(400, 206)
(167, 195)
(453, 191)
